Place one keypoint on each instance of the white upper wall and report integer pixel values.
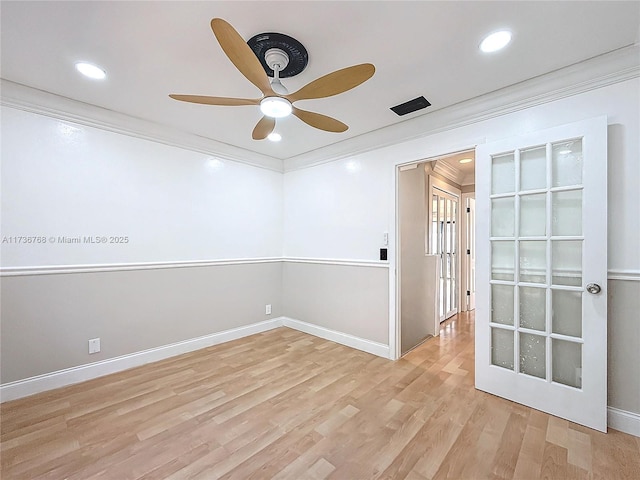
(63, 179)
(336, 211)
(339, 210)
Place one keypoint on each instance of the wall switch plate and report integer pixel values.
(385, 238)
(94, 345)
(267, 309)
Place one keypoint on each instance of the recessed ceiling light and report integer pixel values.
(91, 71)
(466, 160)
(495, 41)
(274, 137)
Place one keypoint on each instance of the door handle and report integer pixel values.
(594, 288)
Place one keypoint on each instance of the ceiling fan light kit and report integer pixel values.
(276, 107)
(282, 56)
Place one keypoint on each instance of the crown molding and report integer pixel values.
(31, 100)
(447, 171)
(608, 69)
(614, 67)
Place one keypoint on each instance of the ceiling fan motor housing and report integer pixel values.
(269, 44)
(276, 59)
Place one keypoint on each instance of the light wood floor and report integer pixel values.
(287, 405)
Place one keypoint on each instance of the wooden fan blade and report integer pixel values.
(319, 121)
(334, 83)
(263, 128)
(206, 100)
(241, 54)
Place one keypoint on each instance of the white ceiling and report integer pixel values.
(152, 49)
(460, 173)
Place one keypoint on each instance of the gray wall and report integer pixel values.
(417, 292)
(347, 298)
(623, 344)
(48, 319)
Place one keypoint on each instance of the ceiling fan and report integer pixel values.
(276, 101)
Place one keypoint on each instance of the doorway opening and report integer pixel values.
(435, 281)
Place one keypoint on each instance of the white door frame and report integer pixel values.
(463, 305)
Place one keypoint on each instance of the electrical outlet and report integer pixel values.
(385, 239)
(94, 345)
(267, 309)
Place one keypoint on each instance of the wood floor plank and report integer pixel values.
(529, 462)
(286, 405)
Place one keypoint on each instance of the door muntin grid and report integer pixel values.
(536, 261)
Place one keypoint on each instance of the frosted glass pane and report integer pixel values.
(532, 355)
(448, 232)
(567, 363)
(533, 261)
(503, 174)
(566, 262)
(442, 214)
(567, 312)
(533, 215)
(503, 262)
(566, 163)
(533, 307)
(502, 348)
(434, 225)
(454, 293)
(503, 218)
(502, 304)
(442, 293)
(454, 231)
(566, 210)
(533, 168)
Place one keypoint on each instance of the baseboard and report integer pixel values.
(627, 422)
(69, 376)
(352, 341)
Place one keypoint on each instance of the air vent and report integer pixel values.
(411, 106)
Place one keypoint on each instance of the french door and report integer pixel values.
(541, 305)
(444, 242)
